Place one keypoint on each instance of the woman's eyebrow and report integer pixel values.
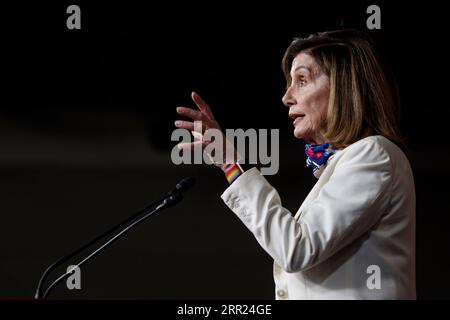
(301, 67)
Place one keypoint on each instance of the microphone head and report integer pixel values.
(185, 184)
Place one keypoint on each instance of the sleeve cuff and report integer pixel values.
(238, 190)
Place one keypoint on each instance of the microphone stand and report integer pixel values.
(169, 200)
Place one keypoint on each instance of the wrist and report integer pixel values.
(227, 166)
(232, 172)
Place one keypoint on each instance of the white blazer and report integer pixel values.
(353, 236)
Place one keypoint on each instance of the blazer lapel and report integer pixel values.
(323, 179)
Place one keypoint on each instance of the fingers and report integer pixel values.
(197, 136)
(202, 105)
(191, 126)
(191, 145)
(190, 113)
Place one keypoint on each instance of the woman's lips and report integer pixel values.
(298, 119)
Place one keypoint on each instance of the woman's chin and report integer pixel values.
(307, 137)
(299, 134)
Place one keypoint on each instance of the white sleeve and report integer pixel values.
(347, 206)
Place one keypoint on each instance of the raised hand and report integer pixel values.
(204, 119)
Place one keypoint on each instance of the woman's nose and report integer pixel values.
(288, 99)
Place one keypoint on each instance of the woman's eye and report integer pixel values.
(302, 82)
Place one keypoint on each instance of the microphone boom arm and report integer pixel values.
(171, 199)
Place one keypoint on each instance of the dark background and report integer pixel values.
(85, 123)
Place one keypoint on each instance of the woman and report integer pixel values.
(354, 234)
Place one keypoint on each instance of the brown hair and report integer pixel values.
(364, 98)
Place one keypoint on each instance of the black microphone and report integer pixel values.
(185, 184)
(175, 196)
(170, 199)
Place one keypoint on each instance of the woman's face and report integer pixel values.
(307, 98)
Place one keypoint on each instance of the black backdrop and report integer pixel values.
(85, 123)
